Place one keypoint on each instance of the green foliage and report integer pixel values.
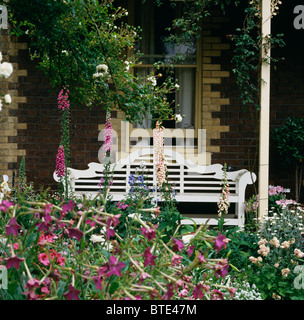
(72, 250)
(22, 174)
(70, 39)
(289, 141)
(280, 237)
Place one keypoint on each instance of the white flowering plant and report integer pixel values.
(244, 290)
(280, 250)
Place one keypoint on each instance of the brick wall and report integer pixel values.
(236, 140)
(30, 125)
(10, 124)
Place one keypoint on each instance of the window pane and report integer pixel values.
(154, 21)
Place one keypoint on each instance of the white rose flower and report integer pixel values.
(96, 75)
(152, 80)
(178, 118)
(176, 86)
(103, 68)
(7, 99)
(6, 69)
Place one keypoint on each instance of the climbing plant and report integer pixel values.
(70, 38)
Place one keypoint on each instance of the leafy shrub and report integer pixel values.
(280, 250)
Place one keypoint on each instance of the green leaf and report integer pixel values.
(113, 287)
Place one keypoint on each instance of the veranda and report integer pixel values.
(59, 245)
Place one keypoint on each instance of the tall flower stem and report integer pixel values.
(64, 107)
(107, 149)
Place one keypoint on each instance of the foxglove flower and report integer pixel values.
(159, 158)
(60, 162)
(108, 138)
(63, 99)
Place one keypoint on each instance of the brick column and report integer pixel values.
(212, 74)
(9, 124)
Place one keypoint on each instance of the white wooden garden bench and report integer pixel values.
(192, 183)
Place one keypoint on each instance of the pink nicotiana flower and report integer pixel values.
(221, 268)
(31, 285)
(13, 261)
(149, 258)
(113, 220)
(13, 227)
(149, 233)
(220, 242)
(4, 205)
(72, 293)
(121, 205)
(67, 207)
(216, 295)
(110, 233)
(178, 244)
(176, 260)
(190, 250)
(143, 276)
(75, 233)
(169, 293)
(201, 258)
(115, 267)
